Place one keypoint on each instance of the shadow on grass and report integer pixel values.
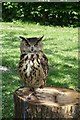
(10, 82)
(10, 61)
(57, 76)
(62, 74)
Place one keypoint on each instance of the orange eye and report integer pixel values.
(28, 45)
(36, 44)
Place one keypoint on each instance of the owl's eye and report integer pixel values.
(28, 45)
(36, 44)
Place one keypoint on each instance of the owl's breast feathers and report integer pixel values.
(33, 68)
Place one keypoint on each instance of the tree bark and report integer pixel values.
(48, 102)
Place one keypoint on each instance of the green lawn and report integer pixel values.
(60, 46)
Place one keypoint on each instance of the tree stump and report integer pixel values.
(48, 102)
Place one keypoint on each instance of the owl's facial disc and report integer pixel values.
(31, 45)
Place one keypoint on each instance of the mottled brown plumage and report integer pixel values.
(33, 65)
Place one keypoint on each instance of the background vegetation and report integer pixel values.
(60, 44)
(51, 13)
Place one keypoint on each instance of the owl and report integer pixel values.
(33, 64)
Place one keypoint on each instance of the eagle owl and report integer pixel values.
(33, 65)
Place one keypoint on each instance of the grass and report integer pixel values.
(60, 46)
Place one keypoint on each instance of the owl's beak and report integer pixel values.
(32, 49)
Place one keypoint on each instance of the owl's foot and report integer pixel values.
(34, 92)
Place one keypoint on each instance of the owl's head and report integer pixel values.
(31, 45)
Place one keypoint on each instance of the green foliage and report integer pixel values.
(62, 14)
(60, 46)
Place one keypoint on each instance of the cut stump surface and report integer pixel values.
(49, 102)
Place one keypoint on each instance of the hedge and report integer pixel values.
(48, 13)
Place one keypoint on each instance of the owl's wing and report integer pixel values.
(44, 63)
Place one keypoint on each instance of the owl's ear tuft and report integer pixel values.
(25, 39)
(41, 38)
(22, 38)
